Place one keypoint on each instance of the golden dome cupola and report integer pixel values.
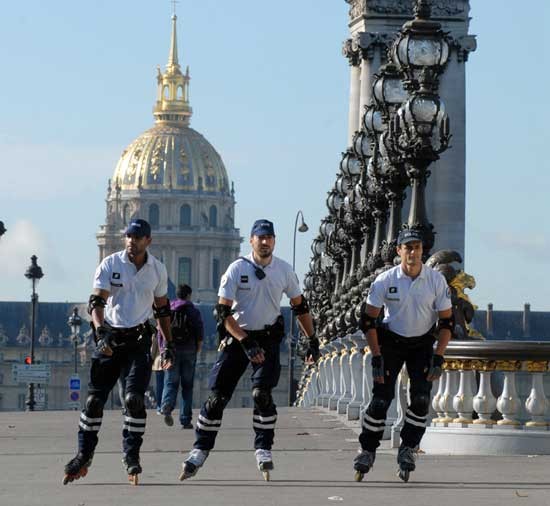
(172, 104)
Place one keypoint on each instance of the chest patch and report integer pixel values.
(393, 289)
(244, 279)
(116, 275)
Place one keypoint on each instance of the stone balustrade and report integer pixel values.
(491, 398)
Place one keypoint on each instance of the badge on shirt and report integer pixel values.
(116, 276)
(244, 279)
(448, 293)
(392, 293)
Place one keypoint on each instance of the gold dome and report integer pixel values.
(171, 157)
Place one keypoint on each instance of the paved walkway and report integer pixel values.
(313, 458)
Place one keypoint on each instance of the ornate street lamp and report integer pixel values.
(419, 131)
(34, 273)
(388, 90)
(74, 323)
(421, 49)
(291, 345)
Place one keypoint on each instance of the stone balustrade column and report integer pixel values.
(356, 366)
(366, 380)
(446, 403)
(328, 377)
(345, 379)
(484, 401)
(508, 402)
(437, 399)
(401, 402)
(463, 401)
(336, 375)
(537, 403)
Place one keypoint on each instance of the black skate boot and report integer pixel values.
(131, 462)
(77, 467)
(193, 463)
(406, 458)
(363, 463)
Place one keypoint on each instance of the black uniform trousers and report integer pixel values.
(224, 376)
(396, 350)
(131, 361)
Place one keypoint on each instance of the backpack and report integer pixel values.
(179, 324)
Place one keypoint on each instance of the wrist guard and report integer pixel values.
(104, 340)
(250, 347)
(436, 366)
(169, 352)
(377, 366)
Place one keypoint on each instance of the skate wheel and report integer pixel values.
(359, 476)
(133, 479)
(67, 479)
(265, 475)
(183, 476)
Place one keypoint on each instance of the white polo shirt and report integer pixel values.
(257, 302)
(411, 306)
(131, 291)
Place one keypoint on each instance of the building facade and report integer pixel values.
(173, 177)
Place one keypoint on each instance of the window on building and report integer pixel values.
(185, 216)
(216, 273)
(213, 216)
(154, 216)
(184, 271)
(180, 93)
(166, 92)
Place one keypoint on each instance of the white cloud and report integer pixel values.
(21, 241)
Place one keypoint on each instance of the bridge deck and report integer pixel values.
(313, 459)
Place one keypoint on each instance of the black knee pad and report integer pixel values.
(134, 403)
(378, 408)
(94, 406)
(262, 398)
(215, 405)
(420, 404)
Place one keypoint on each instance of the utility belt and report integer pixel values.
(273, 332)
(139, 335)
(388, 337)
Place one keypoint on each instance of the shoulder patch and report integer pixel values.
(223, 281)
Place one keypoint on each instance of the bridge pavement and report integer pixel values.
(313, 458)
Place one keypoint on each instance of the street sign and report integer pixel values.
(31, 373)
(74, 382)
(74, 392)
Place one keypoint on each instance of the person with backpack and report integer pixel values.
(187, 334)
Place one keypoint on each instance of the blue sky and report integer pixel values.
(269, 90)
